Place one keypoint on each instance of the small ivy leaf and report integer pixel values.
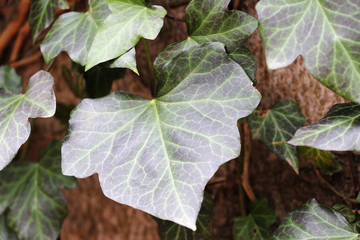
(276, 126)
(211, 21)
(325, 33)
(324, 160)
(314, 221)
(5, 232)
(42, 13)
(346, 212)
(127, 60)
(74, 33)
(338, 130)
(31, 194)
(10, 80)
(128, 22)
(172, 231)
(256, 224)
(15, 110)
(158, 155)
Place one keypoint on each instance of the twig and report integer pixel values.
(245, 135)
(151, 67)
(236, 4)
(25, 61)
(13, 27)
(333, 189)
(23, 33)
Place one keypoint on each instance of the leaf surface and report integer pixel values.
(338, 130)
(171, 231)
(314, 221)
(211, 21)
(10, 80)
(15, 110)
(325, 33)
(5, 232)
(276, 126)
(42, 13)
(128, 22)
(324, 160)
(74, 33)
(158, 155)
(256, 224)
(127, 60)
(30, 192)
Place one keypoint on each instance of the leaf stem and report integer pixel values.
(150, 65)
(26, 144)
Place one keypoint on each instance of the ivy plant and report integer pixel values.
(158, 154)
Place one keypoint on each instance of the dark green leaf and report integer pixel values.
(314, 221)
(172, 231)
(346, 212)
(15, 110)
(128, 22)
(158, 155)
(74, 33)
(276, 126)
(42, 13)
(5, 232)
(31, 194)
(337, 131)
(211, 21)
(10, 80)
(324, 160)
(325, 33)
(256, 224)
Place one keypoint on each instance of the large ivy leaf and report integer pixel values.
(158, 155)
(211, 21)
(10, 80)
(172, 231)
(31, 194)
(324, 160)
(42, 13)
(74, 33)
(276, 126)
(16, 109)
(256, 224)
(128, 22)
(325, 33)
(314, 221)
(338, 130)
(5, 232)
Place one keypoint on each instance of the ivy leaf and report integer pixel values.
(42, 13)
(5, 232)
(10, 80)
(346, 212)
(325, 33)
(172, 231)
(314, 221)
(127, 60)
(211, 21)
(256, 224)
(74, 33)
(15, 110)
(276, 126)
(31, 194)
(128, 22)
(324, 160)
(158, 155)
(338, 130)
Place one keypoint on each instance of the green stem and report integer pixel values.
(150, 65)
(26, 145)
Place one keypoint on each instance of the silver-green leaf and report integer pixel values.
(325, 32)
(338, 130)
(128, 22)
(158, 155)
(276, 126)
(16, 109)
(314, 221)
(31, 196)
